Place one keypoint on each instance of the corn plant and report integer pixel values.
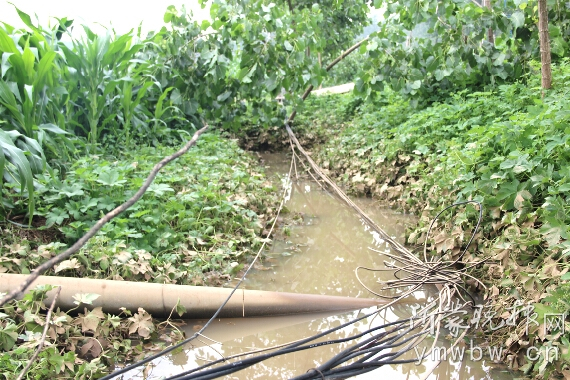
(96, 64)
(128, 105)
(30, 99)
(16, 167)
(161, 112)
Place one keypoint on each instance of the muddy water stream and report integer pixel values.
(318, 254)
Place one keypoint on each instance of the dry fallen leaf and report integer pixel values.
(91, 348)
(90, 320)
(141, 323)
(67, 264)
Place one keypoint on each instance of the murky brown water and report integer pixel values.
(318, 256)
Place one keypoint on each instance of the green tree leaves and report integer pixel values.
(117, 88)
(450, 44)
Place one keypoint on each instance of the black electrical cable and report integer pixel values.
(373, 366)
(297, 346)
(337, 359)
(353, 370)
(369, 362)
(374, 350)
(29, 227)
(361, 367)
(234, 367)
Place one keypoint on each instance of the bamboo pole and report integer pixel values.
(199, 301)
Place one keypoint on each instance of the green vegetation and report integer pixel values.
(83, 121)
(428, 49)
(448, 108)
(198, 224)
(507, 148)
(198, 221)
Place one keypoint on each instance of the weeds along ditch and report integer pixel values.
(507, 148)
(198, 224)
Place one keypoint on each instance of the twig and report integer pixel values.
(397, 246)
(104, 220)
(42, 341)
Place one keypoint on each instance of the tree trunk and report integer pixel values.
(544, 45)
(490, 34)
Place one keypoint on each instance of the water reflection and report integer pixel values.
(318, 256)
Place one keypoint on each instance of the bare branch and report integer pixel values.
(329, 67)
(104, 220)
(43, 339)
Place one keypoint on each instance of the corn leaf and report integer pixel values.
(23, 173)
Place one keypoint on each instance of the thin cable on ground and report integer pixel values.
(437, 272)
(420, 273)
(294, 347)
(397, 246)
(299, 345)
(371, 350)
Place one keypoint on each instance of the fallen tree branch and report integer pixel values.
(43, 339)
(328, 68)
(104, 220)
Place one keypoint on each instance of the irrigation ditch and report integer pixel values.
(433, 285)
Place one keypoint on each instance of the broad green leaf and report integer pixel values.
(8, 336)
(25, 18)
(110, 178)
(44, 70)
(8, 100)
(517, 18)
(159, 104)
(160, 188)
(56, 216)
(176, 96)
(564, 188)
(23, 174)
(72, 190)
(52, 128)
(170, 13)
(7, 44)
(180, 309)
(224, 96)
